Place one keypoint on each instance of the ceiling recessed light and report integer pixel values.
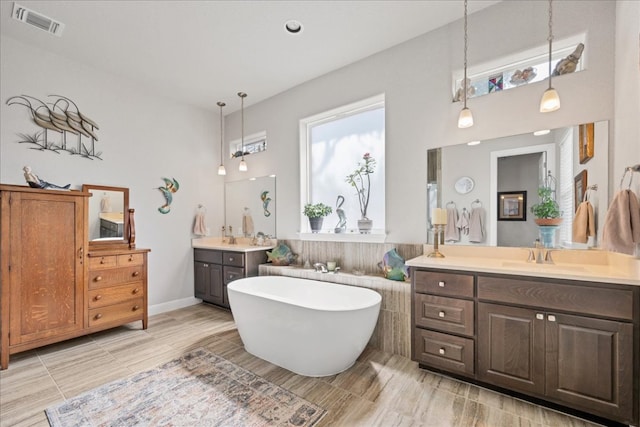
(541, 132)
(473, 143)
(293, 27)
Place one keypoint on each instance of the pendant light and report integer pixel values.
(465, 119)
(221, 169)
(243, 165)
(550, 99)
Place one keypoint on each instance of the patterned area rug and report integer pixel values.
(198, 389)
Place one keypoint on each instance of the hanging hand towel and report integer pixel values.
(451, 232)
(476, 225)
(621, 231)
(584, 223)
(463, 222)
(199, 224)
(247, 224)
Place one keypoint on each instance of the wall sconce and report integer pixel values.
(221, 169)
(550, 99)
(465, 119)
(243, 165)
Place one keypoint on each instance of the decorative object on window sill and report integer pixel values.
(465, 119)
(471, 90)
(242, 167)
(170, 187)
(35, 182)
(60, 120)
(496, 83)
(363, 189)
(264, 196)
(550, 99)
(221, 169)
(281, 255)
(524, 76)
(316, 213)
(341, 226)
(570, 63)
(393, 266)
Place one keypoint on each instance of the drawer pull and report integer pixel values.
(98, 278)
(136, 274)
(98, 316)
(135, 291)
(102, 260)
(130, 258)
(551, 318)
(442, 351)
(231, 259)
(539, 316)
(441, 314)
(205, 265)
(441, 284)
(97, 297)
(136, 307)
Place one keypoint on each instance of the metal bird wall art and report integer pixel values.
(170, 187)
(61, 116)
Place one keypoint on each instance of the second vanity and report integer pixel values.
(567, 333)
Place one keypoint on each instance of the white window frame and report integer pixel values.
(378, 234)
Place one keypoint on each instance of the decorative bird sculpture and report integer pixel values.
(170, 187)
(569, 64)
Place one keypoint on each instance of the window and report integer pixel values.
(332, 144)
(254, 143)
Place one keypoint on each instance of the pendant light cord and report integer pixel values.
(550, 38)
(221, 104)
(464, 80)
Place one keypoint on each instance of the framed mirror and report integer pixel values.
(108, 216)
(253, 198)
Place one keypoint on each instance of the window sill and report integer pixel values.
(375, 237)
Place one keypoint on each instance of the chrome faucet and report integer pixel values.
(540, 255)
(232, 239)
(320, 267)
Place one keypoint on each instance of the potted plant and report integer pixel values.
(360, 180)
(547, 212)
(316, 213)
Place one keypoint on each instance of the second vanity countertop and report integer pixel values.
(243, 244)
(583, 265)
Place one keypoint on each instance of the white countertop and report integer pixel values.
(583, 265)
(243, 244)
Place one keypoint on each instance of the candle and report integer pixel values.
(439, 216)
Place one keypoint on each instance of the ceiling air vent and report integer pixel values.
(38, 20)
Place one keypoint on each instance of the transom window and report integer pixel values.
(332, 146)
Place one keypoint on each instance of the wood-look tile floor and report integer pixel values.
(381, 389)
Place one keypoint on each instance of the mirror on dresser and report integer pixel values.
(467, 176)
(255, 197)
(108, 215)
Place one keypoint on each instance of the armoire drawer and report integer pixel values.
(114, 276)
(112, 295)
(133, 309)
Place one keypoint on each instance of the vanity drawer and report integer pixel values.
(232, 273)
(233, 258)
(107, 296)
(115, 276)
(205, 255)
(448, 352)
(132, 310)
(130, 259)
(99, 262)
(579, 298)
(448, 284)
(444, 314)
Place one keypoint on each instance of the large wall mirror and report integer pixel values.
(108, 217)
(464, 177)
(250, 206)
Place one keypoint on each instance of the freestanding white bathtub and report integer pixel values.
(309, 327)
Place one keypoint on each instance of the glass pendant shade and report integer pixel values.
(243, 166)
(550, 101)
(465, 119)
(222, 170)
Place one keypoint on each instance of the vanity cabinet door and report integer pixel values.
(208, 282)
(590, 364)
(511, 347)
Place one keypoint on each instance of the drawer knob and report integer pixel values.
(130, 258)
(97, 297)
(539, 316)
(441, 314)
(551, 318)
(441, 284)
(135, 291)
(231, 258)
(102, 260)
(98, 316)
(136, 273)
(442, 351)
(136, 307)
(98, 278)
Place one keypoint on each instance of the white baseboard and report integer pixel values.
(173, 305)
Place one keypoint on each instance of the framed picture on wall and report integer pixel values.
(512, 206)
(585, 142)
(579, 188)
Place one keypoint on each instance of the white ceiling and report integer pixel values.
(201, 52)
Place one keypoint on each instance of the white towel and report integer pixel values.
(247, 225)
(105, 203)
(621, 231)
(463, 222)
(476, 225)
(199, 225)
(451, 231)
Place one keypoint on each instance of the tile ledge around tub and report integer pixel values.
(345, 278)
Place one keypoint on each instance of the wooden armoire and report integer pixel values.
(44, 277)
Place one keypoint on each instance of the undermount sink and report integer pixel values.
(544, 267)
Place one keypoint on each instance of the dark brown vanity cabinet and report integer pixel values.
(573, 343)
(215, 269)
